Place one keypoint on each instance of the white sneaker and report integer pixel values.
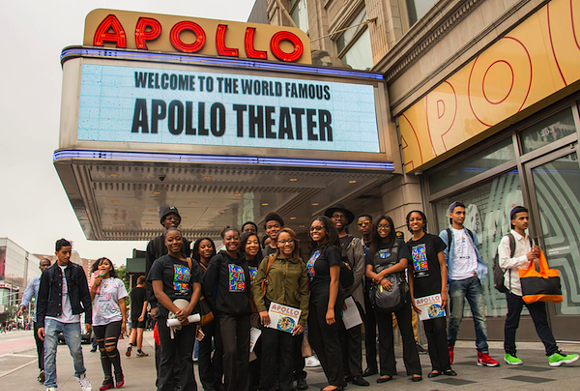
(311, 362)
(85, 383)
(50, 388)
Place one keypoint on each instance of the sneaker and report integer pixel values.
(421, 349)
(85, 383)
(451, 348)
(128, 352)
(142, 354)
(311, 362)
(107, 384)
(41, 377)
(301, 384)
(50, 388)
(483, 360)
(512, 359)
(559, 358)
(119, 380)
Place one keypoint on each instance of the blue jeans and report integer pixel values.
(72, 337)
(469, 289)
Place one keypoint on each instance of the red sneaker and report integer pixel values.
(483, 360)
(451, 347)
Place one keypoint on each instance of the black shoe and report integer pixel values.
(450, 372)
(339, 388)
(301, 384)
(343, 384)
(359, 381)
(369, 372)
(416, 378)
(421, 349)
(384, 379)
(41, 377)
(348, 379)
(433, 374)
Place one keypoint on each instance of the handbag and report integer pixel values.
(541, 286)
(389, 300)
(266, 280)
(205, 311)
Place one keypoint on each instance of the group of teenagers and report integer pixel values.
(239, 283)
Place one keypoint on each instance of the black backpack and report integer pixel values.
(498, 272)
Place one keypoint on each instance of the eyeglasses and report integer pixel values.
(364, 222)
(317, 228)
(381, 227)
(285, 242)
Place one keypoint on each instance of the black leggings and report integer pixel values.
(107, 338)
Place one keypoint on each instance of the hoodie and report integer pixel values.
(226, 284)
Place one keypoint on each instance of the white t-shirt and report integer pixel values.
(465, 258)
(66, 316)
(106, 304)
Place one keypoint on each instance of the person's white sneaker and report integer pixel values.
(85, 383)
(311, 362)
(50, 388)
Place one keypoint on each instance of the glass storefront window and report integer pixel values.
(349, 34)
(549, 130)
(299, 14)
(500, 153)
(487, 214)
(557, 191)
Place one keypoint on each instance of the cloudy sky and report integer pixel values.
(35, 208)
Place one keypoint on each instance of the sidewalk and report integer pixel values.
(536, 374)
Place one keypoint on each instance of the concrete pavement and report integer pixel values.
(18, 371)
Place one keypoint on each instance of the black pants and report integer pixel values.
(277, 349)
(436, 332)
(324, 338)
(370, 322)
(39, 347)
(176, 352)
(210, 371)
(351, 343)
(386, 343)
(107, 338)
(515, 304)
(298, 361)
(235, 331)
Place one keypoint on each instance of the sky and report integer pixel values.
(35, 210)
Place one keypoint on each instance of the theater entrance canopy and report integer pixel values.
(226, 121)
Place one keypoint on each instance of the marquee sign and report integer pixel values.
(198, 107)
(167, 33)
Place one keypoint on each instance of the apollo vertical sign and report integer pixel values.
(152, 105)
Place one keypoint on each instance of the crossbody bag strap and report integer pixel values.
(265, 282)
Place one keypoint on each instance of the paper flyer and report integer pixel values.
(283, 318)
(254, 335)
(351, 316)
(430, 307)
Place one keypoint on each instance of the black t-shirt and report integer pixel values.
(177, 278)
(138, 297)
(426, 268)
(345, 240)
(318, 268)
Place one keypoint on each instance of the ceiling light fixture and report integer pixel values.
(156, 192)
(152, 210)
(237, 194)
(315, 204)
(265, 204)
(293, 179)
(113, 175)
(192, 203)
(292, 218)
(115, 201)
(206, 177)
(351, 182)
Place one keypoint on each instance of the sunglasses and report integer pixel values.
(364, 222)
(317, 228)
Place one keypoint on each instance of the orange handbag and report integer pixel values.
(541, 286)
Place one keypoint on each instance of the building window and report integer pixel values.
(299, 14)
(354, 45)
(417, 8)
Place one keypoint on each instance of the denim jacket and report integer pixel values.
(450, 254)
(50, 293)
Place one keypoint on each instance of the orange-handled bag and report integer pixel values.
(541, 286)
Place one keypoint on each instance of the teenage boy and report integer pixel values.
(273, 223)
(31, 293)
(365, 225)
(466, 269)
(351, 341)
(523, 254)
(62, 297)
(155, 250)
(138, 317)
(250, 226)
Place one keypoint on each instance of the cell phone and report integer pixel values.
(96, 274)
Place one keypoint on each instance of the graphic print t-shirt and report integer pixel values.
(465, 258)
(318, 268)
(106, 304)
(177, 278)
(426, 268)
